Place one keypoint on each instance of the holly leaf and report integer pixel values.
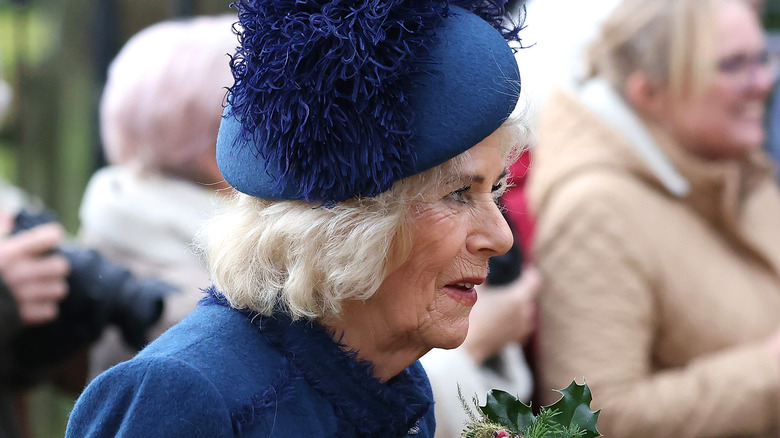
(573, 409)
(505, 409)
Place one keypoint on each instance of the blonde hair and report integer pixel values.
(162, 103)
(305, 260)
(671, 41)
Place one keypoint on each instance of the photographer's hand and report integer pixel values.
(34, 274)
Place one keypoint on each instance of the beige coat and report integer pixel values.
(661, 287)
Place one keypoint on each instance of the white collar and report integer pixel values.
(601, 98)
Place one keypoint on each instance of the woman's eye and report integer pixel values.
(458, 194)
(497, 190)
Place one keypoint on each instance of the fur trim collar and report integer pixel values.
(363, 406)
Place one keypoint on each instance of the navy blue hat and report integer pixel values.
(337, 99)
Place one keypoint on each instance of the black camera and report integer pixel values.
(100, 293)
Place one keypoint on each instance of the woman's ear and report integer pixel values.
(644, 95)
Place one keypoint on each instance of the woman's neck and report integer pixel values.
(366, 334)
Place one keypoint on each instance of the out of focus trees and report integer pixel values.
(55, 54)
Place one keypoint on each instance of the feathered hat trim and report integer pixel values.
(336, 99)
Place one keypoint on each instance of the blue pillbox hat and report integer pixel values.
(337, 99)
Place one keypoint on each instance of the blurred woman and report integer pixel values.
(369, 145)
(159, 115)
(657, 231)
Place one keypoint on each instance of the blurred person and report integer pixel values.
(159, 114)
(365, 217)
(657, 235)
(56, 298)
(32, 284)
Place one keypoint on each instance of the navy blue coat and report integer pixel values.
(221, 372)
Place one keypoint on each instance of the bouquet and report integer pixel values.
(504, 416)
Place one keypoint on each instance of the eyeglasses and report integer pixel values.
(745, 67)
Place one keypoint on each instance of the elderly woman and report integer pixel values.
(368, 147)
(657, 226)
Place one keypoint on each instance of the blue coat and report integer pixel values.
(221, 372)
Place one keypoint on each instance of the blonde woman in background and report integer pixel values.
(159, 115)
(658, 236)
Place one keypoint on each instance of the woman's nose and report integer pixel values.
(763, 76)
(492, 235)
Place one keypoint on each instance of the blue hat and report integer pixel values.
(337, 99)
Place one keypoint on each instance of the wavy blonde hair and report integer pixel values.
(671, 41)
(305, 260)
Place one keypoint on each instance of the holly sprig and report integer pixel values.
(503, 415)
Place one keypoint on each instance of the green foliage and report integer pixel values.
(544, 426)
(569, 417)
(502, 407)
(574, 408)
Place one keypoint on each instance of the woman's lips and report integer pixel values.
(466, 297)
(463, 291)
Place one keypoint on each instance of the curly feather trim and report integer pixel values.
(321, 87)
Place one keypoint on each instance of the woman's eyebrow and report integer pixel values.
(478, 179)
(504, 173)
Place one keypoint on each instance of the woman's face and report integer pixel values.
(427, 300)
(726, 121)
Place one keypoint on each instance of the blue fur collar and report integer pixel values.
(363, 406)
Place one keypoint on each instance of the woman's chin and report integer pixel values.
(451, 324)
(454, 342)
(453, 335)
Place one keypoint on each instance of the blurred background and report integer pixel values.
(54, 55)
